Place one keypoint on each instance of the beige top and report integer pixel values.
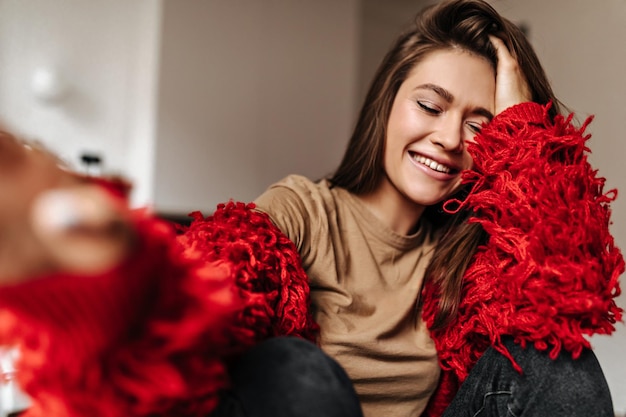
(365, 282)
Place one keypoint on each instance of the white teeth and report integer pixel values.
(435, 166)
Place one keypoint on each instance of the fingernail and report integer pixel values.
(56, 211)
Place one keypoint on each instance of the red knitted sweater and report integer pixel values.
(548, 274)
(151, 337)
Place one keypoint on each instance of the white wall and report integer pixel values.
(250, 92)
(236, 94)
(105, 51)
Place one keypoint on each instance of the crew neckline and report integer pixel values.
(379, 229)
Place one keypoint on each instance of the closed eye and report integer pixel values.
(428, 108)
(475, 126)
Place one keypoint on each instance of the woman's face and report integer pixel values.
(438, 109)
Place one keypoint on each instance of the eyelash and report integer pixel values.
(427, 108)
(474, 127)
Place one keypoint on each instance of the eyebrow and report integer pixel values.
(448, 97)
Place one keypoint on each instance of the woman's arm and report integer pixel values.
(548, 274)
(146, 325)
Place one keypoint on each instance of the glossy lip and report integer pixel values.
(454, 169)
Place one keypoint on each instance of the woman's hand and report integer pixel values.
(52, 220)
(511, 85)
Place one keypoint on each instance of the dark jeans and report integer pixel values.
(289, 377)
(554, 388)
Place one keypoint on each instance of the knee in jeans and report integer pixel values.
(574, 380)
(287, 376)
(289, 357)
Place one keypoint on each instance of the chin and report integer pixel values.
(425, 198)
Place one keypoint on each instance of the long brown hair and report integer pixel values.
(459, 24)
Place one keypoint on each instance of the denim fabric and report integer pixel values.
(554, 388)
(288, 377)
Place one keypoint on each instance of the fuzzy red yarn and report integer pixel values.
(152, 337)
(267, 269)
(548, 275)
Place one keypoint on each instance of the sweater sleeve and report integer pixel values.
(548, 273)
(151, 337)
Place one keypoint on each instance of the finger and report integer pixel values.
(504, 56)
(83, 229)
(25, 172)
(511, 84)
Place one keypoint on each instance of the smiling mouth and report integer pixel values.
(434, 165)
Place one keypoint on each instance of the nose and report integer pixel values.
(449, 136)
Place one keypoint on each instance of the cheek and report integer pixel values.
(468, 161)
(402, 118)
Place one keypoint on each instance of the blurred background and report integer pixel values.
(197, 102)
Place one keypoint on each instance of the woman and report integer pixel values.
(437, 254)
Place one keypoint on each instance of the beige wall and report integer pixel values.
(381, 23)
(249, 92)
